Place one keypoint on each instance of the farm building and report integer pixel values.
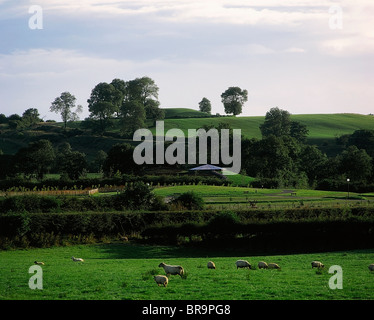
(208, 169)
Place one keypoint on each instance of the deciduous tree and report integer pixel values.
(233, 100)
(205, 105)
(64, 105)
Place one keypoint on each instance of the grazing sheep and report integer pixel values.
(77, 259)
(262, 265)
(174, 270)
(124, 238)
(39, 263)
(274, 266)
(317, 264)
(160, 279)
(371, 267)
(211, 265)
(242, 264)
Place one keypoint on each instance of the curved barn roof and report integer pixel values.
(207, 167)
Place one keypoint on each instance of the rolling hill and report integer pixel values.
(323, 129)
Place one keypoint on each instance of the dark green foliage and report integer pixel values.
(36, 159)
(114, 181)
(29, 203)
(189, 200)
(233, 100)
(355, 164)
(7, 168)
(64, 105)
(138, 196)
(120, 159)
(273, 230)
(277, 122)
(362, 139)
(205, 105)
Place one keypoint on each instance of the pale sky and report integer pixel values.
(303, 56)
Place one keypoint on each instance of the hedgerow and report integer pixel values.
(291, 229)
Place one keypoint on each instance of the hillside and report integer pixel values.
(323, 129)
(320, 125)
(178, 113)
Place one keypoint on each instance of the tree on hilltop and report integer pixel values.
(64, 104)
(205, 105)
(233, 100)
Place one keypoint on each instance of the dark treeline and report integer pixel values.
(281, 158)
(304, 229)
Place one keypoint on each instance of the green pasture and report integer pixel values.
(124, 272)
(227, 197)
(320, 126)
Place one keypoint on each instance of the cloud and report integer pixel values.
(33, 78)
(284, 53)
(295, 50)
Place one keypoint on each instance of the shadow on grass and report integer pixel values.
(148, 251)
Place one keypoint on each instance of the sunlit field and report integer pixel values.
(125, 271)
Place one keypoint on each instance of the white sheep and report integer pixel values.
(174, 270)
(242, 264)
(273, 266)
(124, 238)
(160, 279)
(371, 267)
(262, 265)
(40, 263)
(317, 264)
(211, 265)
(77, 259)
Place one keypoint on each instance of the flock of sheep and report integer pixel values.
(178, 270)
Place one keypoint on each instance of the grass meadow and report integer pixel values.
(224, 197)
(124, 271)
(319, 125)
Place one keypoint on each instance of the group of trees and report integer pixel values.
(41, 157)
(233, 100)
(29, 118)
(283, 156)
(131, 101)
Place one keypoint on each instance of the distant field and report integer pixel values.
(124, 272)
(183, 113)
(240, 197)
(319, 125)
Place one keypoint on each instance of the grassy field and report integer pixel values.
(171, 113)
(125, 271)
(234, 197)
(319, 125)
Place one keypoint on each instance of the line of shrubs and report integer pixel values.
(138, 196)
(257, 230)
(275, 236)
(9, 184)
